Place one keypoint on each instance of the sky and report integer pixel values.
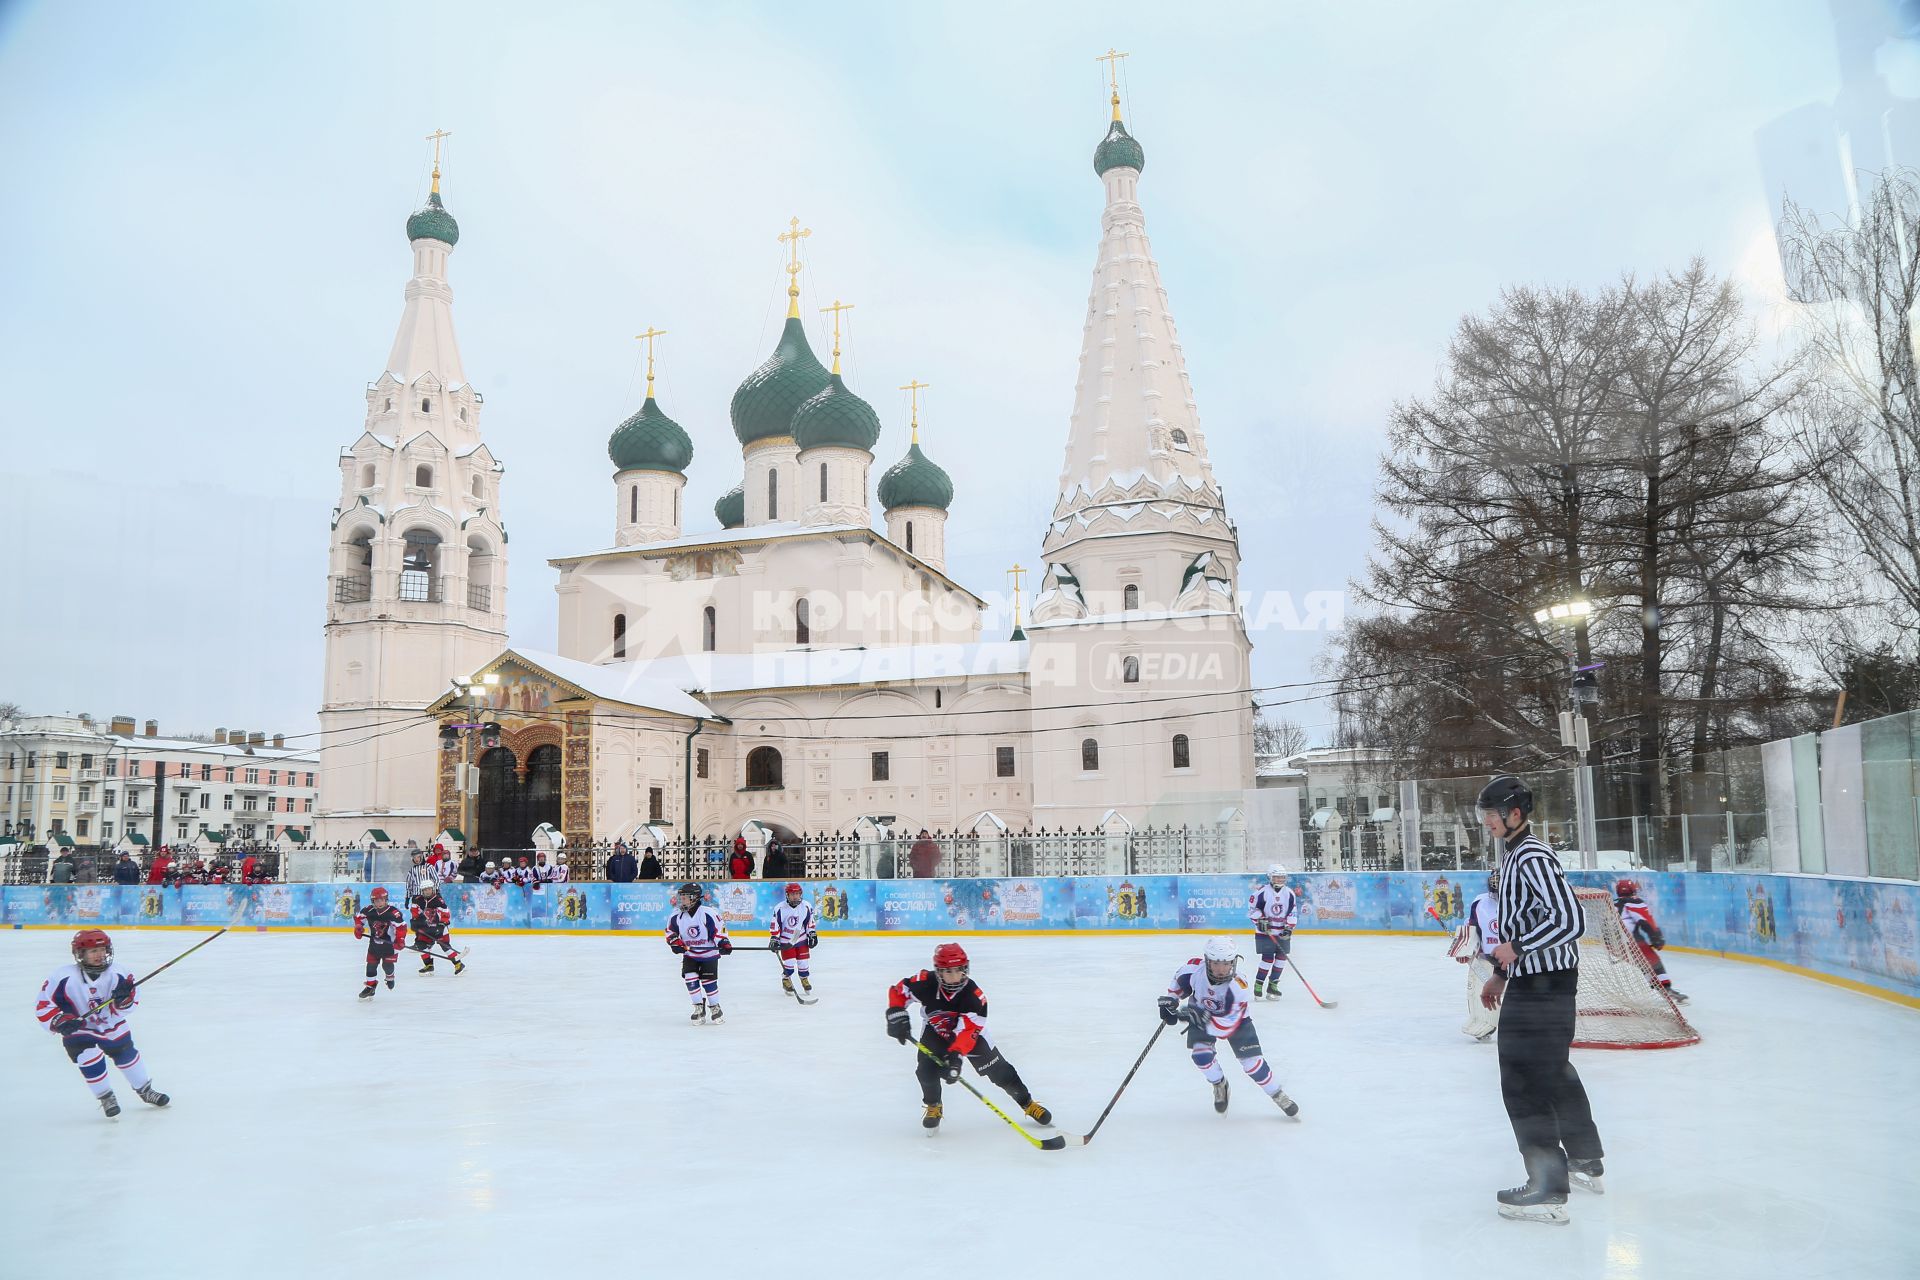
(203, 211)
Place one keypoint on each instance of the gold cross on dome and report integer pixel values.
(837, 307)
(913, 390)
(793, 235)
(648, 338)
(1016, 573)
(435, 138)
(1112, 58)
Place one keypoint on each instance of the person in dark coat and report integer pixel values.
(650, 866)
(774, 865)
(621, 867)
(126, 871)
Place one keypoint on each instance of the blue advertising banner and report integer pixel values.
(841, 904)
(641, 906)
(570, 906)
(1127, 902)
(152, 904)
(1217, 904)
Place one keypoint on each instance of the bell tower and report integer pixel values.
(416, 591)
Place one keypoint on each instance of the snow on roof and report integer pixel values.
(720, 673)
(1133, 615)
(619, 682)
(752, 533)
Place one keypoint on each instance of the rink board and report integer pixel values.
(1860, 931)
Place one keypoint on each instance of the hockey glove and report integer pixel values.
(813, 940)
(1197, 1016)
(1170, 1011)
(358, 932)
(69, 1027)
(726, 946)
(676, 946)
(899, 1026)
(950, 1069)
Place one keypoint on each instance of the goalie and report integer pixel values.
(1636, 917)
(1473, 946)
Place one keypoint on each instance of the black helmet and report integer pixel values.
(1505, 792)
(690, 890)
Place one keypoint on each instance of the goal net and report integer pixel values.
(1621, 1004)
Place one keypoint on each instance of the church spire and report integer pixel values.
(425, 342)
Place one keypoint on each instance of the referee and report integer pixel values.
(1536, 977)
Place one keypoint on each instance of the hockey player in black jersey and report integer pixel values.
(384, 926)
(432, 920)
(956, 1029)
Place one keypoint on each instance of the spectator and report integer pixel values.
(740, 866)
(471, 866)
(157, 873)
(247, 864)
(126, 871)
(621, 868)
(61, 872)
(883, 867)
(774, 865)
(649, 866)
(924, 857)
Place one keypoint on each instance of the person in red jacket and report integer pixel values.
(956, 1029)
(740, 865)
(157, 873)
(1636, 917)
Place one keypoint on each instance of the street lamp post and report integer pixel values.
(1570, 618)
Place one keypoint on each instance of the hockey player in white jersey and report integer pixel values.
(698, 935)
(1473, 946)
(92, 1035)
(1274, 910)
(1217, 1009)
(793, 934)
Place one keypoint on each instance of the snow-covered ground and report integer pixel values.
(551, 1111)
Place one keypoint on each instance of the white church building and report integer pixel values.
(793, 662)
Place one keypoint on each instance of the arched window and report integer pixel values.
(620, 636)
(426, 406)
(420, 567)
(708, 628)
(1089, 755)
(479, 487)
(463, 414)
(423, 476)
(676, 508)
(1179, 437)
(773, 495)
(366, 476)
(1182, 759)
(936, 699)
(389, 408)
(909, 537)
(802, 630)
(1130, 670)
(1130, 597)
(633, 505)
(823, 482)
(763, 767)
(480, 563)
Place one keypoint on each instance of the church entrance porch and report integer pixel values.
(516, 798)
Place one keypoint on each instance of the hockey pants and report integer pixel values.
(90, 1054)
(1245, 1043)
(985, 1059)
(425, 945)
(1273, 948)
(1546, 1102)
(379, 956)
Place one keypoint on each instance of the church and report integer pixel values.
(791, 663)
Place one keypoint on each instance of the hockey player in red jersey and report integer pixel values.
(1636, 917)
(955, 1011)
(384, 926)
(1216, 1010)
(432, 921)
(89, 1035)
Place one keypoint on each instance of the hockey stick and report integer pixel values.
(1045, 1144)
(1088, 1137)
(795, 992)
(1324, 1004)
(458, 956)
(162, 969)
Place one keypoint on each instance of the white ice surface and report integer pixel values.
(551, 1111)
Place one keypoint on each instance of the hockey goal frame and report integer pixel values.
(1616, 982)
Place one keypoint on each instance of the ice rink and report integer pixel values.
(552, 1111)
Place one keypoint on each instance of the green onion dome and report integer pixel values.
(650, 441)
(1118, 150)
(915, 481)
(731, 510)
(764, 405)
(433, 222)
(836, 417)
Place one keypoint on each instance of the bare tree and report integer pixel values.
(1861, 424)
(1277, 737)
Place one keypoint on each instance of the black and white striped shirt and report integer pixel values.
(1538, 913)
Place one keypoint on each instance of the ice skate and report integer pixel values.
(700, 1012)
(1485, 1036)
(1220, 1096)
(426, 966)
(786, 985)
(808, 986)
(389, 984)
(152, 1096)
(1259, 991)
(714, 1015)
(1273, 992)
(930, 1119)
(1530, 1204)
(459, 967)
(366, 992)
(1587, 1174)
(1038, 1113)
(1679, 997)
(109, 1104)
(1286, 1104)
